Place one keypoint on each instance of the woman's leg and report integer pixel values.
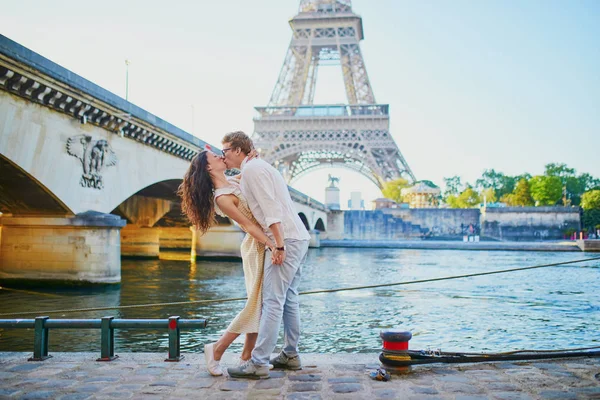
(223, 343)
(249, 345)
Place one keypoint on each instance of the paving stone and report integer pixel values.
(468, 397)
(385, 394)
(102, 379)
(132, 387)
(424, 390)
(277, 374)
(444, 371)
(269, 384)
(453, 378)
(555, 394)
(344, 379)
(6, 375)
(510, 396)
(89, 388)
(164, 383)
(350, 367)
(8, 391)
(40, 394)
(306, 387)
(592, 391)
(305, 378)
(346, 387)
(303, 396)
(263, 394)
(501, 386)
(113, 395)
(149, 371)
(454, 387)
(25, 367)
(57, 383)
(420, 397)
(75, 396)
(549, 366)
(231, 385)
(201, 383)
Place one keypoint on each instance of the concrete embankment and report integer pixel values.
(340, 376)
(454, 245)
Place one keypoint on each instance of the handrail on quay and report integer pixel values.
(107, 325)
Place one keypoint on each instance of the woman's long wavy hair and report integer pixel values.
(196, 192)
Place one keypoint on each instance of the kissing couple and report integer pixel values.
(273, 251)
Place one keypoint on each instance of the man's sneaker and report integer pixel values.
(284, 362)
(249, 370)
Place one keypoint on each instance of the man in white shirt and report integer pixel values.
(269, 199)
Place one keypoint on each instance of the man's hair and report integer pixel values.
(239, 139)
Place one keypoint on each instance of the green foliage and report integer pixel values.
(545, 190)
(468, 198)
(591, 200)
(574, 185)
(591, 218)
(520, 197)
(392, 189)
(489, 194)
(453, 186)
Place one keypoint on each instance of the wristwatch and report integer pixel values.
(282, 248)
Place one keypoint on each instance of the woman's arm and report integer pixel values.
(227, 205)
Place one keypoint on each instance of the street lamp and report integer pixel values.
(127, 80)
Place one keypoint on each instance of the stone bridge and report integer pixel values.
(86, 177)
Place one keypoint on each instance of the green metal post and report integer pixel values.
(174, 340)
(40, 341)
(107, 340)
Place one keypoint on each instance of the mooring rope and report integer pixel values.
(445, 278)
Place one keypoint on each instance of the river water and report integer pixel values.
(548, 308)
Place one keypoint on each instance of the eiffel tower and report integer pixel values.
(297, 136)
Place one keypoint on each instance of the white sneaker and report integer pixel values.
(212, 365)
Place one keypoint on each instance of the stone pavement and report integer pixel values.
(345, 376)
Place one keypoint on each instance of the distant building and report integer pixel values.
(382, 202)
(423, 194)
(356, 202)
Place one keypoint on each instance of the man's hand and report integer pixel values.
(278, 257)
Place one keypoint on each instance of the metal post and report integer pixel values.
(40, 342)
(127, 80)
(174, 340)
(107, 340)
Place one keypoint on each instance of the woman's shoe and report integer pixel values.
(212, 365)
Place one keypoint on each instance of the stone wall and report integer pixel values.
(529, 223)
(509, 223)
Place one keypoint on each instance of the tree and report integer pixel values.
(392, 189)
(453, 186)
(469, 198)
(591, 200)
(490, 179)
(521, 196)
(546, 190)
(489, 195)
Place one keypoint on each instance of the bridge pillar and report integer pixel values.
(69, 250)
(335, 225)
(219, 241)
(177, 238)
(140, 239)
(315, 238)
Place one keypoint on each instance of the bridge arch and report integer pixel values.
(320, 225)
(304, 220)
(22, 194)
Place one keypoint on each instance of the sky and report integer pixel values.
(472, 85)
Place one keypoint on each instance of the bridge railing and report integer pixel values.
(107, 326)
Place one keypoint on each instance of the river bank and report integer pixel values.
(560, 246)
(340, 376)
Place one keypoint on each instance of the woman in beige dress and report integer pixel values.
(206, 191)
